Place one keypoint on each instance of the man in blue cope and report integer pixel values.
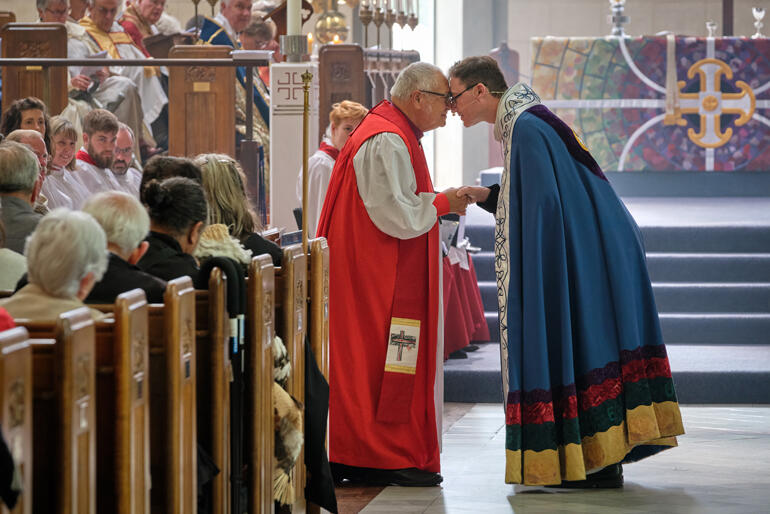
(586, 379)
(234, 16)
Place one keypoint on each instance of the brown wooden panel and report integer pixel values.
(16, 410)
(318, 283)
(173, 434)
(258, 427)
(47, 83)
(201, 103)
(291, 314)
(123, 465)
(64, 413)
(341, 77)
(212, 331)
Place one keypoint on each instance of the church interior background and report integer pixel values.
(686, 144)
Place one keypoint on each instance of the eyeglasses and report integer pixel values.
(58, 12)
(452, 100)
(446, 96)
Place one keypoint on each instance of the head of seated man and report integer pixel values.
(162, 167)
(104, 12)
(66, 256)
(19, 174)
(34, 141)
(52, 11)
(237, 13)
(78, 8)
(126, 224)
(260, 35)
(149, 10)
(178, 214)
(29, 114)
(124, 150)
(100, 131)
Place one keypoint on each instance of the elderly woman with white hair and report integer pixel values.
(126, 223)
(66, 256)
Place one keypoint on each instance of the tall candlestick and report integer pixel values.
(293, 18)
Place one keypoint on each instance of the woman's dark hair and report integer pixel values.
(12, 117)
(175, 203)
(162, 167)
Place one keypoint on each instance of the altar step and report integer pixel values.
(709, 263)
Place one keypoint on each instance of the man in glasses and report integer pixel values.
(380, 217)
(586, 379)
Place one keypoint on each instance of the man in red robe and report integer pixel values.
(380, 218)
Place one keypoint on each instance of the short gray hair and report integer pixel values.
(19, 168)
(124, 219)
(418, 75)
(64, 248)
(42, 4)
(123, 126)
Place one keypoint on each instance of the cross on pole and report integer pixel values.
(402, 341)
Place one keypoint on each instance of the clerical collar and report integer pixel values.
(417, 132)
(219, 18)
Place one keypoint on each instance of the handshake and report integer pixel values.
(461, 197)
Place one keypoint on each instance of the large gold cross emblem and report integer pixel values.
(710, 103)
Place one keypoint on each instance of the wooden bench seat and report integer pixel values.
(16, 411)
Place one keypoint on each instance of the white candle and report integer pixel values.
(293, 18)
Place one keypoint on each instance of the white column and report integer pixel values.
(286, 106)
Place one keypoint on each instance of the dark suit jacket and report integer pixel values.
(165, 259)
(19, 220)
(259, 245)
(121, 277)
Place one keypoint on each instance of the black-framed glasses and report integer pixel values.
(446, 96)
(453, 98)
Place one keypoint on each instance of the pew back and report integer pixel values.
(173, 438)
(64, 413)
(201, 103)
(259, 375)
(33, 40)
(16, 410)
(291, 316)
(212, 331)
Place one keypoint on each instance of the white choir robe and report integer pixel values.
(320, 166)
(63, 189)
(129, 181)
(96, 179)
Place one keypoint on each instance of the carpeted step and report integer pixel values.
(484, 263)
(715, 328)
(702, 374)
(707, 239)
(493, 325)
(712, 297)
(707, 267)
(488, 295)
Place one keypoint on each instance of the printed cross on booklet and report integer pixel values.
(402, 341)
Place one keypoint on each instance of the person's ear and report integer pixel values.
(86, 284)
(138, 253)
(85, 139)
(194, 235)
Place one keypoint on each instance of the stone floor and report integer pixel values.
(721, 465)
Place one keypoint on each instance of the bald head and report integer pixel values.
(34, 140)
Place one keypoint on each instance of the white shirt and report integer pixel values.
(63, 189)
(320, 166)
(387, 186)
(129, 181)
(96, 179)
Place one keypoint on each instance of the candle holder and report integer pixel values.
(711, 27)
(759, 14)
(401, 18)
(412, 21)
(212, 3)
(365, 14)
(197, 23)
(390, 19)
(617, 19)
(379, 19)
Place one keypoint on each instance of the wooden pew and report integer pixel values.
(16, 412)
(258, 426)
(291, 317)
(32, 40)
(173, 437)
(64, 414)
(201, 103)
(318, 285)
(212, 331)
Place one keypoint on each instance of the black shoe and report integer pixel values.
(407, 477)
(470, 348)
(610, 477)
(458, 354)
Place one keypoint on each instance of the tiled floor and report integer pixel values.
(721, 465)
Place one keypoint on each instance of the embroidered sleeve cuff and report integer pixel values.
(441, 203)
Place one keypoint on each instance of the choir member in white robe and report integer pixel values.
(128, 178)
(94, 159)
(61, 185)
